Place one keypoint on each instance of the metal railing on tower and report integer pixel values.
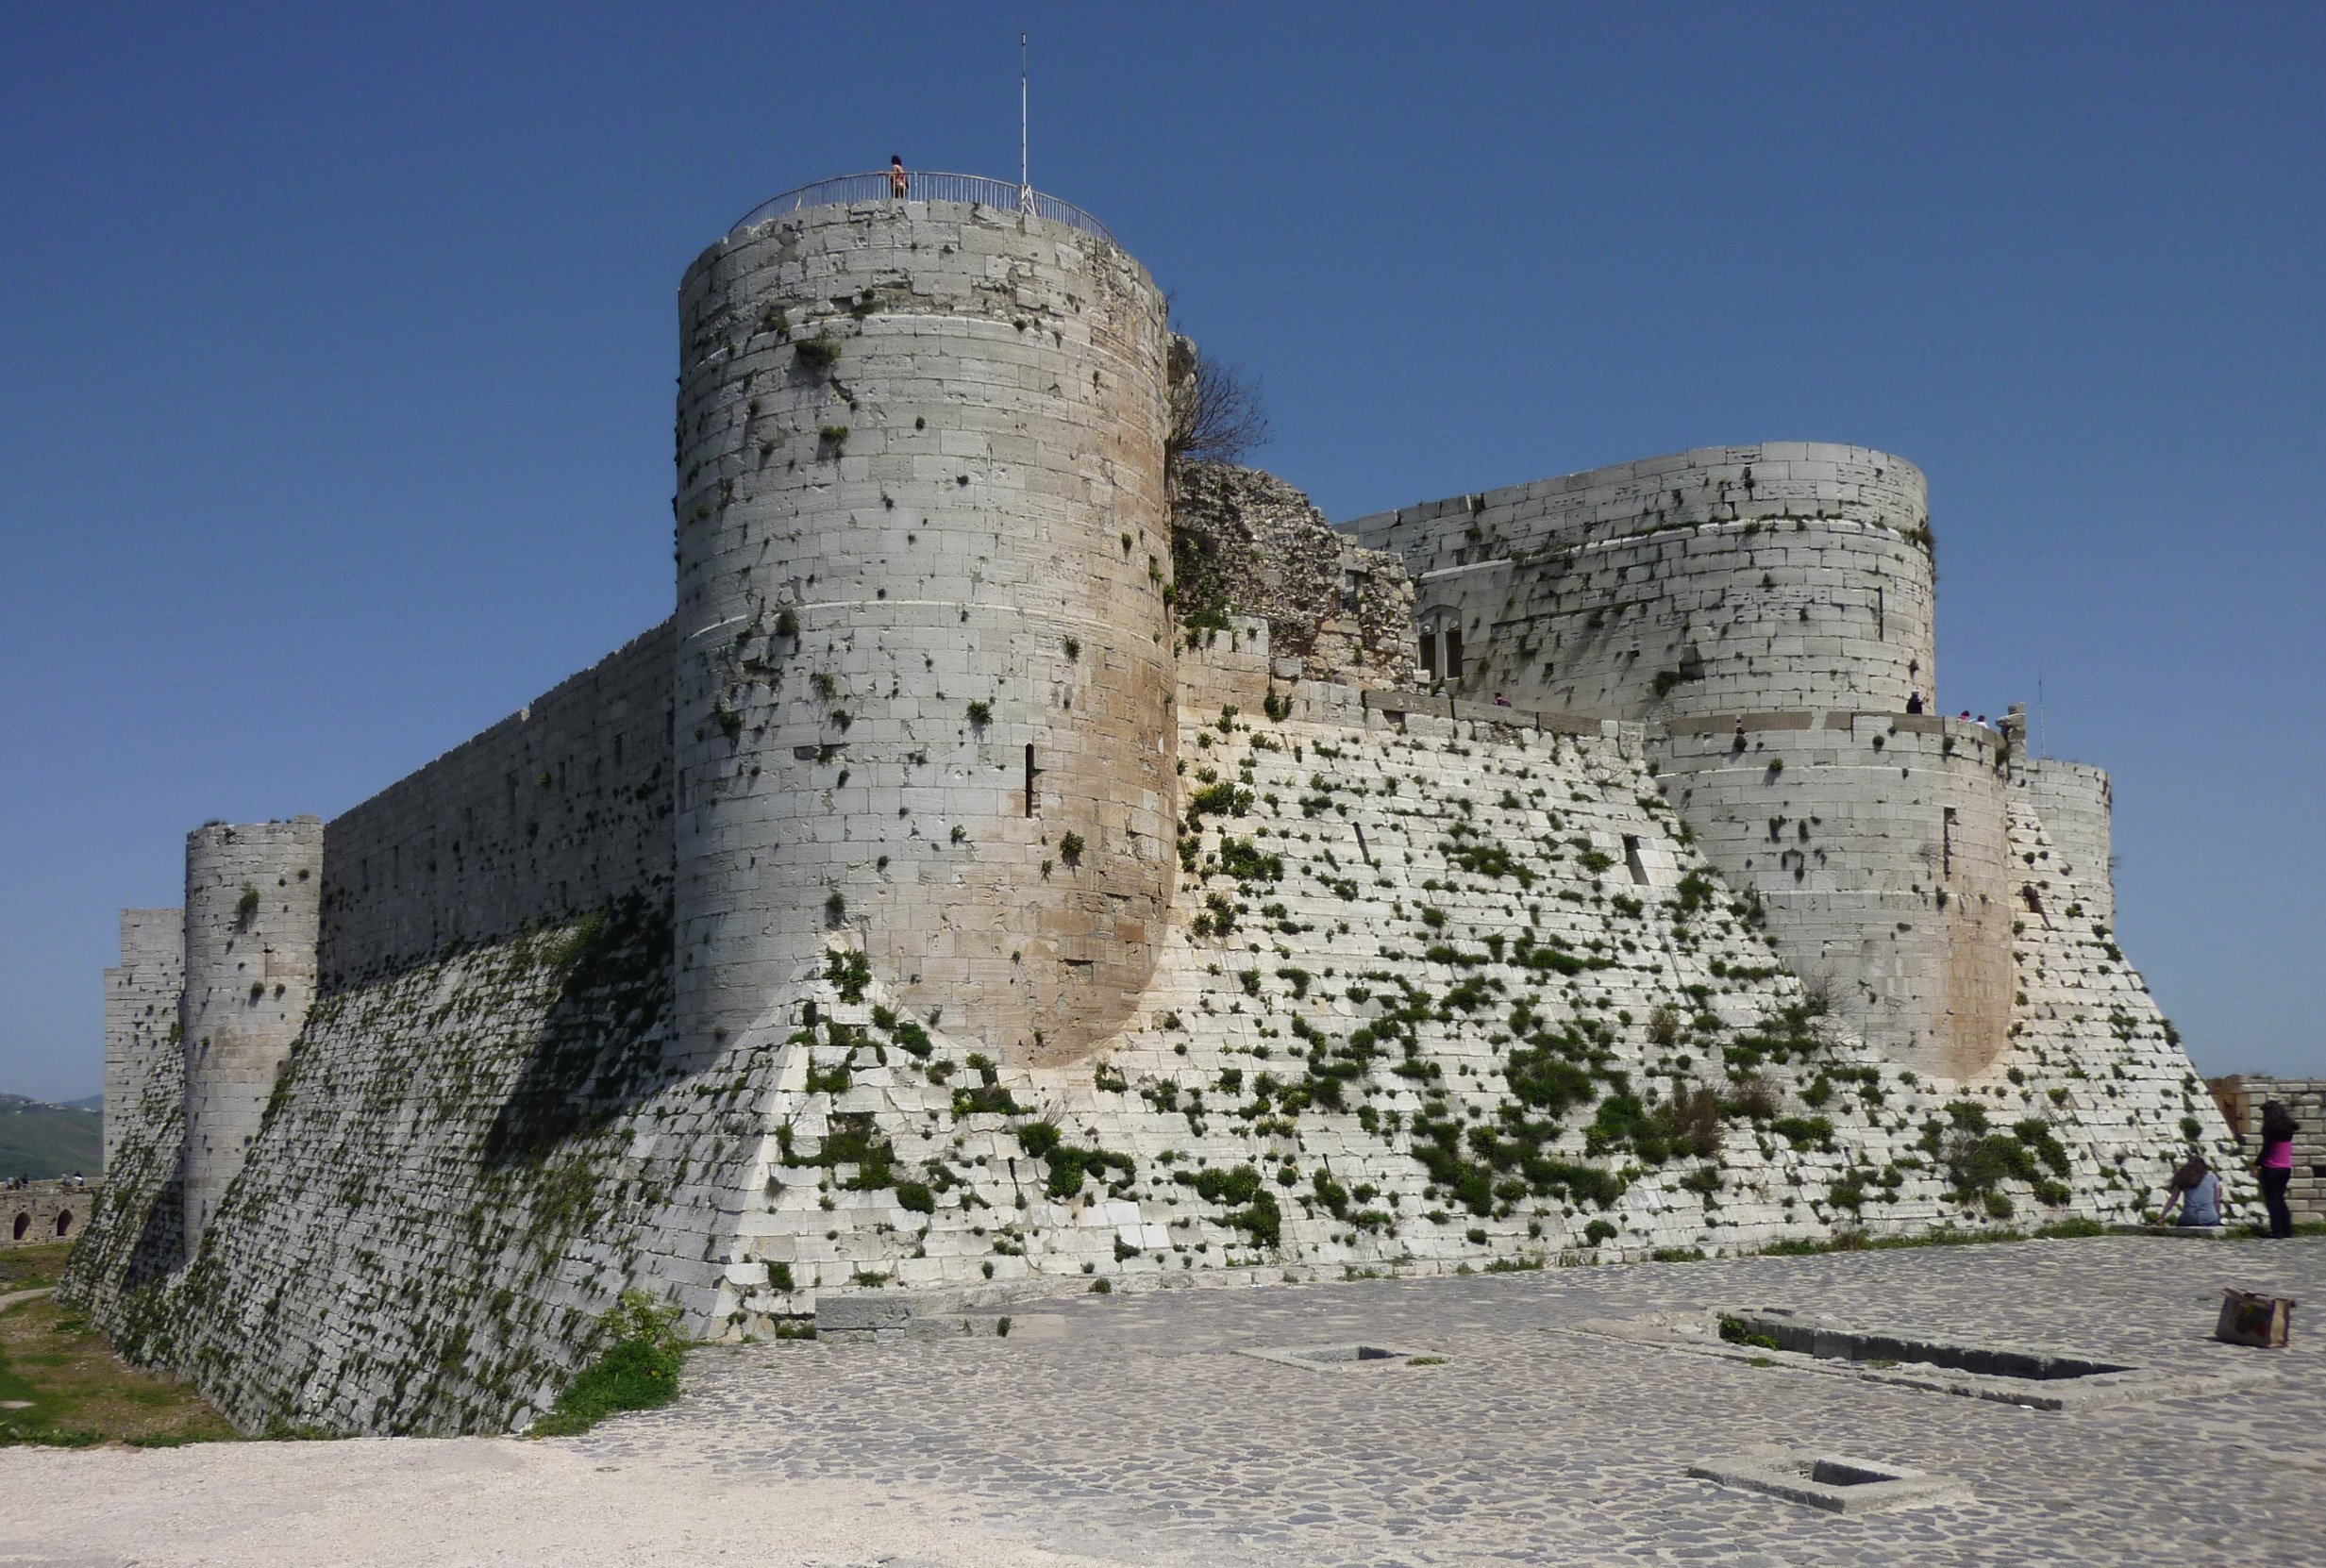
(924, 186)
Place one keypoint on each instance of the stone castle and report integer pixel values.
(1025, 860)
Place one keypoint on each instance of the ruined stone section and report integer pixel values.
(2240, 1098)
(2075, 802)
(1245, 543)
(46, 1212)
(1877, 846)
(557, 809)
(2091, 1052)
(923, 686)
(141, 997)
(1783, 576)
(253, 891)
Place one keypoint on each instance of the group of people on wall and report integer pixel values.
(2195, 1191)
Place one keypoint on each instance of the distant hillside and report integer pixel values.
(38, 1139)
(93, 1102)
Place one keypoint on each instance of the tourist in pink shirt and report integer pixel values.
(2277, 1165)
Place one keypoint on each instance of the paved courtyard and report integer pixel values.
(1125, 1429)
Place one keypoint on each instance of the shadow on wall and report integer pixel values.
(161, 1237)
(599, 1055)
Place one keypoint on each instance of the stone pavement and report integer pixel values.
(1125, 1429)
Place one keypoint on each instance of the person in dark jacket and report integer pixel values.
(2276, 1165)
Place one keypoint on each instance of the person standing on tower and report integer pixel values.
(898, 181)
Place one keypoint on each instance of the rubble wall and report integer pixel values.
(1245, 543)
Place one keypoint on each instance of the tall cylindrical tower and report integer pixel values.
(252, 909)
(923, 688)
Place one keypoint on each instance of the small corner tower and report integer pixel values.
(253, 898)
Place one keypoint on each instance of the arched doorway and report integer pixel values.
(64, 1222)
(23, 1223)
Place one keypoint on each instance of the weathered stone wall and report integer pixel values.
(1433, 991)
(141, 996)
(252, 896)
(1245, 543)
(1437, 992)
(2076, 802)
(2241, 1098)
(45, 1212)
(1876, 844)
(557, 809)
(2089, 1048)
(922, 552)
(137, 1230)
(463, 1165)
(1791, 576)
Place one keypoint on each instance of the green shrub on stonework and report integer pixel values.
(849, 973)
(638, 1372)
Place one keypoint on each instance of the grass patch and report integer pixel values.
(29, 1268)
(638, 1372)
(62, 1385)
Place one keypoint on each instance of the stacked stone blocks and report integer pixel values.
(253, 900)
(922, 908)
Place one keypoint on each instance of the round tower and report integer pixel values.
(923, 690)
(2074, 801)
(252, 908)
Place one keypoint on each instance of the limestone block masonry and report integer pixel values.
(140, 1010)
(46, 1212)
(1788, 576)
(922, 908)
(253, 893)
(923, 686)
(559, 808)
(2075, 801)
(1875, 844)
(2241, 1099)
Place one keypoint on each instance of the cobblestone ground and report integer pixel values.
(1124, 1429)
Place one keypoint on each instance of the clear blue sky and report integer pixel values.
(337, 350)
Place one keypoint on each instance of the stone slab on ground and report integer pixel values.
(1127, 1430)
